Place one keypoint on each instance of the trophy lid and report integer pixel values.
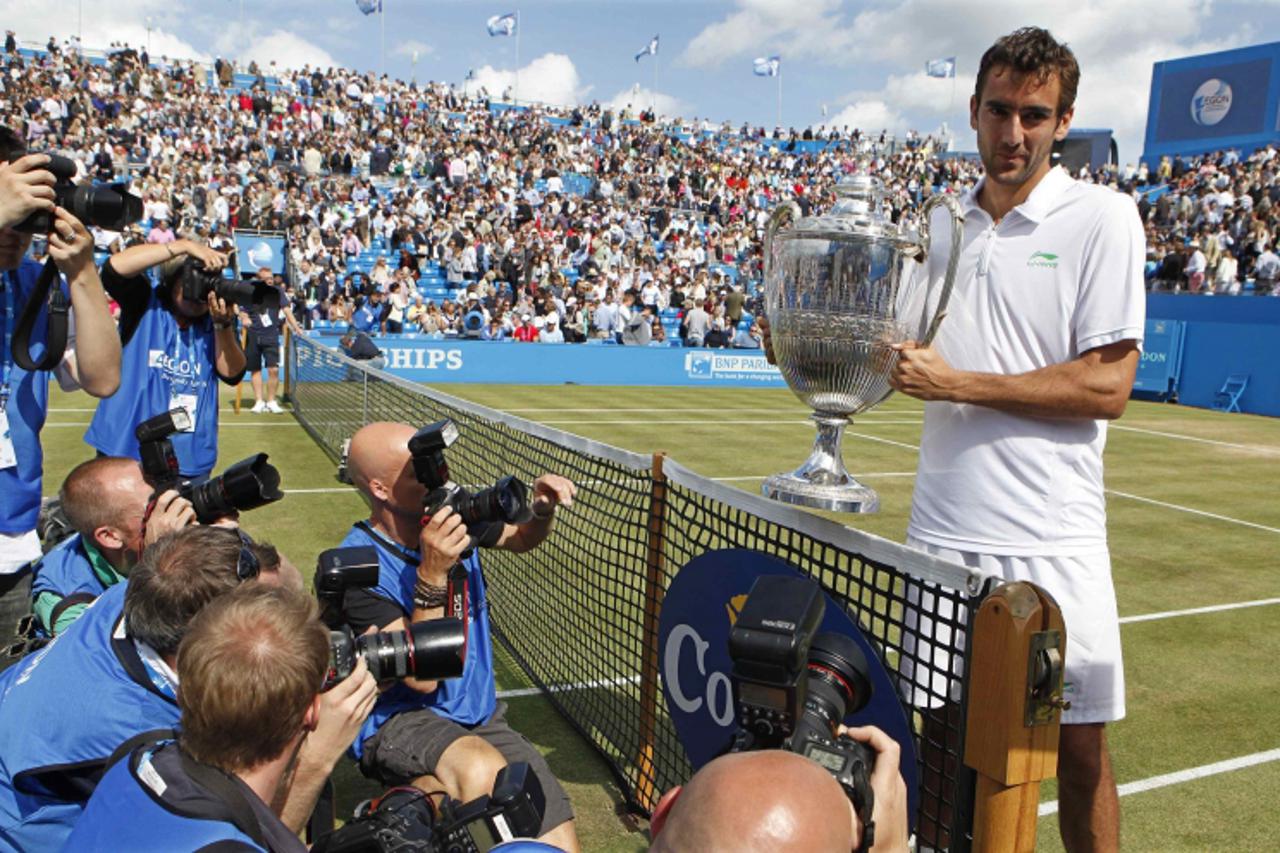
(859, 213)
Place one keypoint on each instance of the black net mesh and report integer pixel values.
(573, 612)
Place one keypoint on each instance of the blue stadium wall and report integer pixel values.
(1214, 101)
(1222, 336)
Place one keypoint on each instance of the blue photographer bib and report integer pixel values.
(74, 703)
(468, 700)
(164, 366)
(24, 399)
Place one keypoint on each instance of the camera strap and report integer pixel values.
(222, 786)
(47, 291)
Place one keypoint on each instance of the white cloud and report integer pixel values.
(811, 28)
(286, 50)
(638, 98)
(549, 79)
(412, 46)
(871, 115)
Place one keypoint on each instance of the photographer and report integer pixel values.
(121, 652)
(449, 735)
(249, 668)
(775, 800)
(92, 360)
(264, 322)
(107, 502)
(175, 352)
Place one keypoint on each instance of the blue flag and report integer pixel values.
(368, 7)
(941, 67)
(502, 25)
(767, 66)
(651, 49)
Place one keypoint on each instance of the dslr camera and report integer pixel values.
(197, 283)
(112, 207)
(792, 686)
(505, 501)
(248, 484)
(403, 819)
(428, 651)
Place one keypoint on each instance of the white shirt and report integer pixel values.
(1061, 274)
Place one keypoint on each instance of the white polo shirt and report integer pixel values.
(1059, 275)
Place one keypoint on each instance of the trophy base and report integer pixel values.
(849, 496)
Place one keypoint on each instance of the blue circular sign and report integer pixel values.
(698, 611)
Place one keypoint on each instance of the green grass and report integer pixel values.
(1200, 688)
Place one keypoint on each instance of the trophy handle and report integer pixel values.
(787, 211)
(957, 234)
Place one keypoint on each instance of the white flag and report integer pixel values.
(651, 49)
(767, 66)
(502, 25)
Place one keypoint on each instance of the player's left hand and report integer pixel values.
(922, 372)
(551, 491)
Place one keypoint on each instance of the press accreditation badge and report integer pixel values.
(8, 456)
(188, 402)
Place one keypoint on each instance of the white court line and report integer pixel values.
(564, 688)
(1181, 776)
(714, 422)
(1195, 611)
(884, 440)
(1200, 512)
(1272, 451)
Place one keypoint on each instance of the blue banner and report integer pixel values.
(698, 612)
(436, 361)
(1161, 363)
(254, 251)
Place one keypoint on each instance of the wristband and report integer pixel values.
(222, 324)
(544, 516)
(428, 596)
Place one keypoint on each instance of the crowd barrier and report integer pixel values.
(508, 362)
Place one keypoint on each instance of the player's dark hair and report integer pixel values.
(1032, 50)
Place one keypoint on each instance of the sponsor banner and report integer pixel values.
(254, 252)
(698, 612)
(1161, 362)
(432, 361)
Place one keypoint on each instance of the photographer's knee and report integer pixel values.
(468, 767)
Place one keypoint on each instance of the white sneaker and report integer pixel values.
(274, 408)
(259, 407)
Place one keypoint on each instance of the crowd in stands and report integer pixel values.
(430, 210)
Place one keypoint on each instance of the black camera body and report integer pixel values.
(793, 685)
(248, 484)
(402, 819)
(506, 501)
(196, 283)
(113, 207)
(428, 651)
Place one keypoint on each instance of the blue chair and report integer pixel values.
(1228, 397)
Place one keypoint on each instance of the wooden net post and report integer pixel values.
(286, 372)
(244, 342)
(646, 791)
(1015, 708)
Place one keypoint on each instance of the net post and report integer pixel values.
(244, 342)
(1011, 737)
(288, 339)
(646, 792)
(364, 396)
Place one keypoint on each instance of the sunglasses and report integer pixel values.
(247, 565)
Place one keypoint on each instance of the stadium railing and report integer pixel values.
(580, 614)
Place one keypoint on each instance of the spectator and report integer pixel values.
(551, 333)
(264, 320)
(360, 346)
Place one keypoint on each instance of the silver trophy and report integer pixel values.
(840, 291)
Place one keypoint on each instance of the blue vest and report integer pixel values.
(160, 361)
(63, 711)
(127, 813)
(468, 700)
(27, 408)
(66, 570)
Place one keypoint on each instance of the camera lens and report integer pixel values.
(428, 651)
(386, 654)
(506, 501)
(838, 681)
(246, 485)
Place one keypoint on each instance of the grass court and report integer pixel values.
(1194, 526)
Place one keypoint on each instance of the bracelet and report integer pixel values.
(427, 596)
(168, 249)
(222, 324)
(544, 516)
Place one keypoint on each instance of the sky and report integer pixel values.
(863, 61)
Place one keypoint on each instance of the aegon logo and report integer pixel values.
(164, 361)
(1211, 102)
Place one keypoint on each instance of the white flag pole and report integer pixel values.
(519, 27)
(779, 94)
(653, 95)
(382, 21)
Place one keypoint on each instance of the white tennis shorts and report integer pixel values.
(1094, 682)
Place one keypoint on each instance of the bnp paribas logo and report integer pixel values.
(1047, 260)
